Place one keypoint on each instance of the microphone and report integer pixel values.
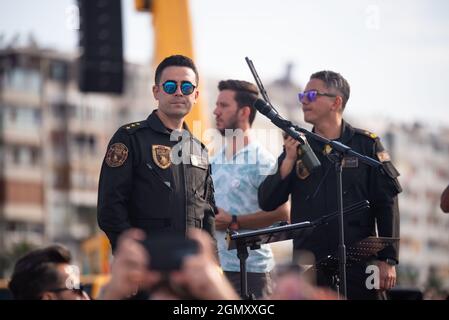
(305, 152)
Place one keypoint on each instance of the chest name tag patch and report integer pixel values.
(197, 161)
(350, 162)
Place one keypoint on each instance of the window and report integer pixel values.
(84, 143)
(37, 117)
(2, 155)
(25, 156)
(58, 110)
(21, 79)
(3, 109)
(13, 114)
(58, 71)
(92, 144)
(15, 155)
(11, 226)
(35, 156)
(20, 117)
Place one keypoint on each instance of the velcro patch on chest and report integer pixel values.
(199, 162)
(161, 155)
(350, 162)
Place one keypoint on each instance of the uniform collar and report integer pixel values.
(347, 132)
(252, 146)
(155, 123)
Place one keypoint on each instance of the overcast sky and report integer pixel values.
(394, 53)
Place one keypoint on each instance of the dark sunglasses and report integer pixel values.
(170, 87)
(79, 291)
(312, 95)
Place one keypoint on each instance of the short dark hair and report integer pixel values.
(334, 80)
(246, 94)
(36, 272)
(175, 61)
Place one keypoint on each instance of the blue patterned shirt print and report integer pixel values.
(236, 182)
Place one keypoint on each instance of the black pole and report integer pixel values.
(341, 245)
(242, 254)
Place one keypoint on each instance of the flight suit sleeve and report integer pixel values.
(115, 186)
(274, 190)
(384, 190)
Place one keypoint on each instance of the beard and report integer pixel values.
(232, 124)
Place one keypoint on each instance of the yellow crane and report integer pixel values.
(173, 35)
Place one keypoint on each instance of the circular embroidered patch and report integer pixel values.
(116, 155)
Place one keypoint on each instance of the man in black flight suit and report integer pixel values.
(314, 194)
(155, 175)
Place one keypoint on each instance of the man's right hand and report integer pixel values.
(222, 219)
(291, 154)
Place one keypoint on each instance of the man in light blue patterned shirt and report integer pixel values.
(237, 171)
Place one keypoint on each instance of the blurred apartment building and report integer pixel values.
(421, 154)
(52, 142)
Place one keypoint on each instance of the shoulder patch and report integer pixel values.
(383, 156)
(116, 155)
(366, 133)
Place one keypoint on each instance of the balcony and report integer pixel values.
(24, 212)
(24, 136)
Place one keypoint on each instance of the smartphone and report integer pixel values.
(167, 252)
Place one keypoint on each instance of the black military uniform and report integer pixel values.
(141, 185)
(314, 195)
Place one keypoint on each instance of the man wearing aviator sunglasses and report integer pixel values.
(313, 194)
(142, 183)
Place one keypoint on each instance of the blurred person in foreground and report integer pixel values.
(314, 194)
(237, 171)
(46, 274)
(291, 283)
(200, 276)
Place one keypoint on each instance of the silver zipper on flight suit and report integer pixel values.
(166, 183)
(185, 186)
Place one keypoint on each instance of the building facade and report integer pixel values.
(52, 142)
